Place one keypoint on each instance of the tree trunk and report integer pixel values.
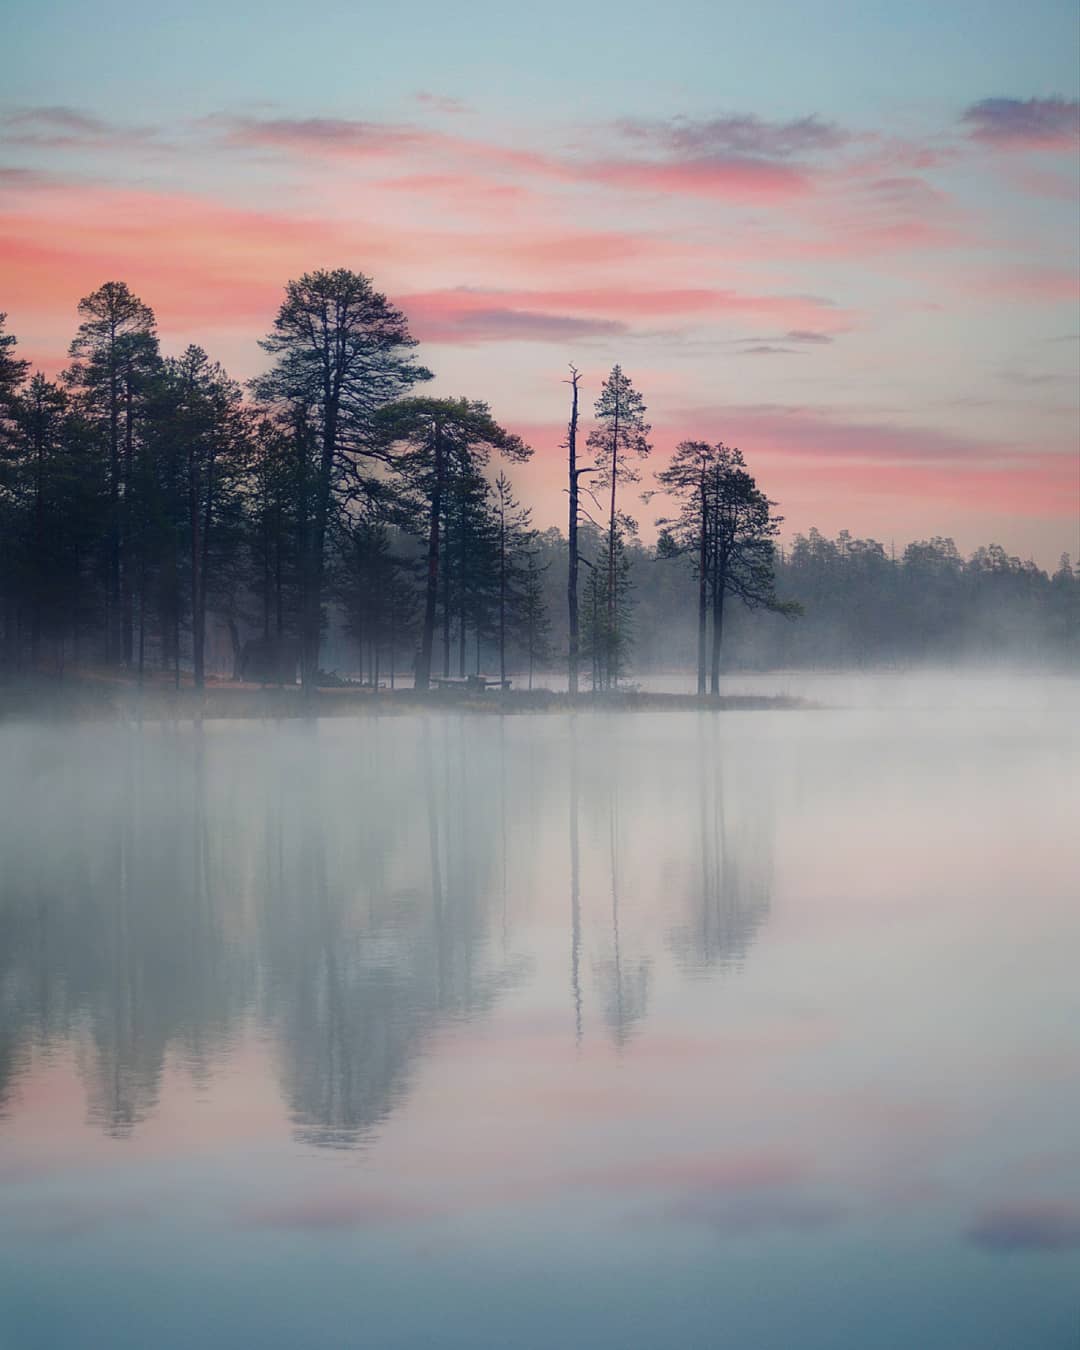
(198, 629)
(572, 575)
(199, 618)
(446, 595)
(463, 557)
(611, 636)
(127, 614)
(142, 621)
(279, 590)
(39, 543)
(317, 552)
(427, 637)
(502, 595)
(303, 542)
(237, 645)
(718, 627)
(113, 597)
(703, 589)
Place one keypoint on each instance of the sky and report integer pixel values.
(842, 237)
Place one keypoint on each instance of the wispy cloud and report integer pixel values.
(325, 135)
(778, 344)
(598, 311)
(729, 176)
(1024, 124)
(465, 326)
(57, 127)
(442, 103)
(743, 136)
(805, 335)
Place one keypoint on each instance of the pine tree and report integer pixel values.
(343, 352)
(114, 357)
(433, 443)
(534, 625)
(620, 436)
(606, 628)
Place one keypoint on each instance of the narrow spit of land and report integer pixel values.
(118, 700)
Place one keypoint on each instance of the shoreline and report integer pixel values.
(83, 700)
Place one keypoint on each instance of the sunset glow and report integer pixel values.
(865, 278)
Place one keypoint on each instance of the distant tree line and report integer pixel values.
(331, 517)
(861, 605)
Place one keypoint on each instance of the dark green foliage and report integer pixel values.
(440, 447)
(726, 527)
(375, 586)
(607, 633)
(532, 626)
(343, 352)
(114, 363)
(620, 436)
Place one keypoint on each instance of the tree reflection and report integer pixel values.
(357, 990)
(113, 923)
(167, 891)
(729, 895)
(623, 982)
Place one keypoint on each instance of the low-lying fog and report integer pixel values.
(617, 1029)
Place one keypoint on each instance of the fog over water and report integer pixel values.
(684, 1029)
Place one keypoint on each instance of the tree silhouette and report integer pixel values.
(621, 434)
(114, 357)
(343, 352)
(435, 442)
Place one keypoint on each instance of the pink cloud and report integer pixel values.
(793, 430)
(740, 177)
(826, 467)
(820, 452)
(462, 312)
(191, 258)
(745, 180)
(1031, 282)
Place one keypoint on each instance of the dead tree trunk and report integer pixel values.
(572, 575)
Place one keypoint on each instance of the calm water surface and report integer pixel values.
(636, 1031)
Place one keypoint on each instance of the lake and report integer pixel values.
(683, 1029)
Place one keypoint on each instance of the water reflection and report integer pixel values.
(113, 922)
(373, 919)
(727, 899)
(348, 891)
(622, 979)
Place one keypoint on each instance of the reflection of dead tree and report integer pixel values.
(624, 984)
(733, 891)
(575, 887)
